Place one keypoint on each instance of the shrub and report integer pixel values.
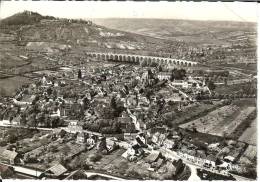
(3, 143)
(95, 157)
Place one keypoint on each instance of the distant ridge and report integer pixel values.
(24, 18)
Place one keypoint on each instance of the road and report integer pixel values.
(193, 166)
(193, 176)
(89, 174)
(17, 126)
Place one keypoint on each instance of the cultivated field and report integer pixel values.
(8, 86)
(250, 134)
(221, 121)
(189, 113)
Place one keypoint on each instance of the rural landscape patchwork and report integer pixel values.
(127, 99)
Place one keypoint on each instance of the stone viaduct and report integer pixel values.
(139, 59)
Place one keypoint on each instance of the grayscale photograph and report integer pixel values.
(128, 90)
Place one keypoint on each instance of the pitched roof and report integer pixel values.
(57, 170)
(152, 157)
(124, 119)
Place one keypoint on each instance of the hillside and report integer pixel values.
(24, 18)
(186, 30)
(27, 27)
(212, 41)
(205, 42)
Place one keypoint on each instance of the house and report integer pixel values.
(211, 160)
(229, 158)
(181, 84)
(200, 156)
(91, 141)
(72, 122)
(17, 120)
(133, 152)
(157, 164)
(55, 171)
(214, 147)
(81, 138)
(141, 140)
(9, 156)
(154, 157)
(56, 113)
(187, 153)
(138, 150)
(158, 138)
(74, 127)
(164, 75)
(169, 144)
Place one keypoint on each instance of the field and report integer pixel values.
(250, 134)
(189, 113)
(8, 86)
(246, 68)
(224, 120)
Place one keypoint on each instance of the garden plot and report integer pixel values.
(189, 112)
(49, 154)
(211, 121)
(239, 119)
(30, 144)
(222, 121)
(250, 134)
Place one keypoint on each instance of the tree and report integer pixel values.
(160, 68)
(79, 74)
(211, 85)
(150, 74)
(66, 150)
(182, 73)
(113, 102)
(144, 64)
(12, 138)
(178, 74)
(49, 91)
(52, 148)
(95, 157)
(3, 143)
(75, 163)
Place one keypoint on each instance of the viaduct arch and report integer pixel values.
(140, 59)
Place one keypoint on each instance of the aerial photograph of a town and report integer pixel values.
(128, 91)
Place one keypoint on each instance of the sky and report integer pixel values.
(226, 11)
